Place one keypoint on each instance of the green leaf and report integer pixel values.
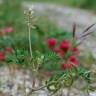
(10, 58)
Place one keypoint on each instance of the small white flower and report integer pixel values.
(31, 9)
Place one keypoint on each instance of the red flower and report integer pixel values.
(9, 30)
(9, 49)
(60, 52)
(70, 63)
(73, 60)
(66, 66)
(57, 50)
(2, 56)
(65, 45)
(76, 51)
(51, 42)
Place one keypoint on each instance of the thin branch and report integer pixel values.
(30, 47)
(34, 90)
(80, 42)
(84, 35)
(89, 28)
(74, 30)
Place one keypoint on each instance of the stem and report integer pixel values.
(34, 90)
(24, 82)
(25, 88)
(30, 47)
(68, 94)
(88, 93)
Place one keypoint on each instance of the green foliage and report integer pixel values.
(21, 56)
(56, 83)
(5, 40)
(9, 12)
(10, 58)
(85, 74)
(88, 4)
(18, 56)
(51, 61)
(88, 58)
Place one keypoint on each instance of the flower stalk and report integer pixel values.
(30, 47)
(30, 23)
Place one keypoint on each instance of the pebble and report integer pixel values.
(14, 85)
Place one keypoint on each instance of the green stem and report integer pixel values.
(30, 47)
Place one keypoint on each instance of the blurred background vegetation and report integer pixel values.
(11, 14)
(87, 4)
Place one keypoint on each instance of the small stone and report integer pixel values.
(93, 94)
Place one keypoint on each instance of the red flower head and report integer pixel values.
(61, 54)
(70, 63)
(65, 45)
(2, 56)
(76, 51)
(51, 42)
(66, 66)
(73, 60)
(9, 49)
(9, 30)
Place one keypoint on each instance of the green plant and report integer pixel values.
(51, 55)
(61, 61)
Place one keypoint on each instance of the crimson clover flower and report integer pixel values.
(66, 66)
(76, 51)
(72, 62)
(60, 52)
(65, 45)
(4, 53)
(51, 43)
(2, 56)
